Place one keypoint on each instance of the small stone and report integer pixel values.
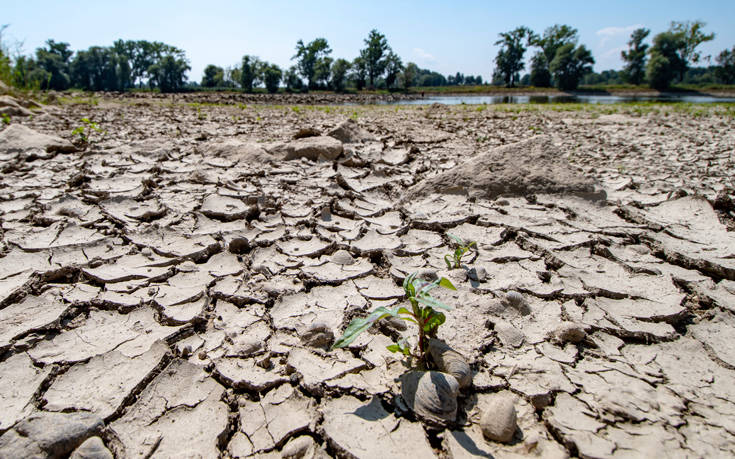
(478, 274)
(498, 421)
(342, 257)
(299, 447)
(93, 448)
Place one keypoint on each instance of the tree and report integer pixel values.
(359, 72)
(311, 59)
(509, 60)
(540, 76)
(726, 69)
(339, 70)
(322, 72)
(251, 69)
(409, 76)
(169, 73)
(393, 67)
(54, 60)
(570, 64)
(692, 36)
(665, 60)
(553, 38)
(292, 80)
(214, 76)
(271, 76)
(635, 58)
(374, 55)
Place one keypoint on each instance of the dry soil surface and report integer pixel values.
(171, 286)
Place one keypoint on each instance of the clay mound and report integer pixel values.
(528, 167)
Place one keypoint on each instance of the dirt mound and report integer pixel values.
(528, 167)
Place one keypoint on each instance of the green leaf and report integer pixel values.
(456, 239)
(403, 310)
(435, 319)
(358, 326)
(444, 282)
(448, 261)
(434, 303)
(394, 348)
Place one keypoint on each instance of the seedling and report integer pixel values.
(86, 128)
(6, 118)
(454, 260)
(423, 313)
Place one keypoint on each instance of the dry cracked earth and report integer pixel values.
(171, 286)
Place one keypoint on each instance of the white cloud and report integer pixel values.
(423, 55)
(612, 33)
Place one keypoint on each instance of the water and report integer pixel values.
(579, 99)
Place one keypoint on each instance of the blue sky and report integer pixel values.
(444, 36)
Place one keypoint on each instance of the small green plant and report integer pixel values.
(86, 128)
(454, 260)
(6, 119)
(423, 313)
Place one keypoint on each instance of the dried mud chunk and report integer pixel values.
(532, 375)
(313, 247)
(315, 370)
(350, 132)
(366, 430)
(313, 148)
(57, 235)
(373, 242)
(717, 334)
(280, 414)
(322, 304)
(522, 168)
(20, 138)
(181, 406)
(247, 374)
(131, 334)
(329, 273)
(49, 434)
(225, 208)
(100, 385)
(32, 313)
(170, 243)
(19, 380)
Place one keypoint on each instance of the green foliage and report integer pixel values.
(339, 70)
(272, 75)
(665, 62)
(292, 80)
(409, 75)
(635, 58)
(509, 60)
(359, 72)
(691, 36)
(374, 55)
(249, 72)
(393, 67)
(312, 60)
(169, 73)
(569, 66)
(726, 70)
(5, 118)
(84, 130)
(423, 314)
(540, 75)
(454, 260)
(214, 77)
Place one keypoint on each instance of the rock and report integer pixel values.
(450, 361)
(248, 153)
(498, 420)
(93, 448)
(342, 257)
(19, 138)
(318, 335)
(349, 132)
(431, 395)
(519, 169)
(306, 132)
(312, 148)
(568, 332)
(478, 274)
(303, 447)
(52, 435)
(9, 106)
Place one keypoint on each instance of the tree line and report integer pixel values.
(559, 61)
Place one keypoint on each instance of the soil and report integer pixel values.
(170, 284)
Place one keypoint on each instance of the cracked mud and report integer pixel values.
(173, 287)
